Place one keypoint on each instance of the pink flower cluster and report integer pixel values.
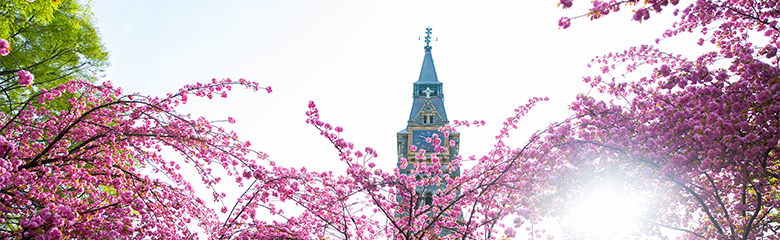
(5, 47)
(25, 78)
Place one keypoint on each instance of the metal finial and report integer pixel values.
(428, 38)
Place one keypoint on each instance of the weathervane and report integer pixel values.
(428, 38)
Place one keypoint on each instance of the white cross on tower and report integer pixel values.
(428, 92)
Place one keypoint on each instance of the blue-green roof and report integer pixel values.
(428, 72)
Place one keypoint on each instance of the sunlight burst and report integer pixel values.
(606, 211)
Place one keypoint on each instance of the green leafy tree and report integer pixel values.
(54, 40)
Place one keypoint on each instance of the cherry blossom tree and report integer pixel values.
(96, 170)
(697, 138)
(84, 172)
(470, 206)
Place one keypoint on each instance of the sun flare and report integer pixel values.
(606, 211)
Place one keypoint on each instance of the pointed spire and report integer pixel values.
(428, 72)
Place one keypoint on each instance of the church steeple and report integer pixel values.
(427, 115)
(426, 122)
(428, 94)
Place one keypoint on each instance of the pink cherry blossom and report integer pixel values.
(25, 78)
(665, 70)
(564, 23)
(5, 47)
(566, 3)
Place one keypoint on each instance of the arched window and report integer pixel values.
(428, 199)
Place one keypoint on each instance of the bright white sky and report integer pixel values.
(357, 60)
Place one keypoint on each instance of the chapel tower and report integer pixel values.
(426, 118)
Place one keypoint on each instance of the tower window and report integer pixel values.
(427, 118)
(428, 199)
